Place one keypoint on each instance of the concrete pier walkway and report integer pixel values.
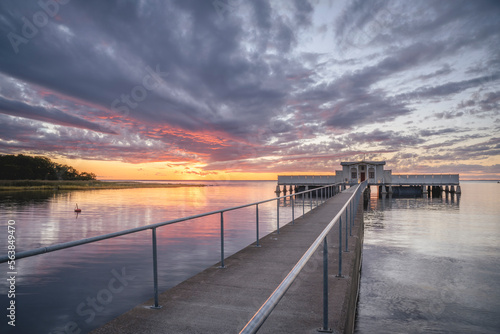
(224, 300)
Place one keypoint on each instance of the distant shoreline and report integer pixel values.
(23, 185)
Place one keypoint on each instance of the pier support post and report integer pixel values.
(459, 191)
(452, 189)
(424, 189)
(278, 191)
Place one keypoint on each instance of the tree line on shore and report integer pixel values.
(24, 167)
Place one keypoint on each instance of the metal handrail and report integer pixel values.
(70, 244)
(265, 310)
(153, 227)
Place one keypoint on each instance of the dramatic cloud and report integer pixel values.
(252, 86)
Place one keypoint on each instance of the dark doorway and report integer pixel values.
(362, 176)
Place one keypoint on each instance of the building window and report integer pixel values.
(354, 173)
(371, 173)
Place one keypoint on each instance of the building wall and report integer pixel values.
(373, 173)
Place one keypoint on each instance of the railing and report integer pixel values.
(265, 310)
(306, 179)
(321, 194)
(426, 179)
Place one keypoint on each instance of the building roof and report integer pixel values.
(350, 163)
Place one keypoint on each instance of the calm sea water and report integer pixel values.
(429, 266)
(432, 265)
(86, 286)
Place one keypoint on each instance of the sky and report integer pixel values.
(235, 89)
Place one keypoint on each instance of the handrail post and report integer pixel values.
(351, 221)
(293, 209)
(155, 270)
(354, 210)
(278, 216)
(317, 197)
(340, 248)
(325, 328)
(347, 222)
(257, 224)
(222, 266)
(303, 205)
(310, 198)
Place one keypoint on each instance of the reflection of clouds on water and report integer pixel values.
(408, 306)
(374, 219)
(430, 265)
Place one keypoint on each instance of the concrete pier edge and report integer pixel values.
(356, 266)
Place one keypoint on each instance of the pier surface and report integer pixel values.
(224, 300)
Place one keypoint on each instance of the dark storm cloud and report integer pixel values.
(419, 43)
(437, 132)
(51, 115)
(389, 139)
(446, 69)
(453, 87)
(96, 45)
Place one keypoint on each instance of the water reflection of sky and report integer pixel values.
(431, 265)
(52, 286)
